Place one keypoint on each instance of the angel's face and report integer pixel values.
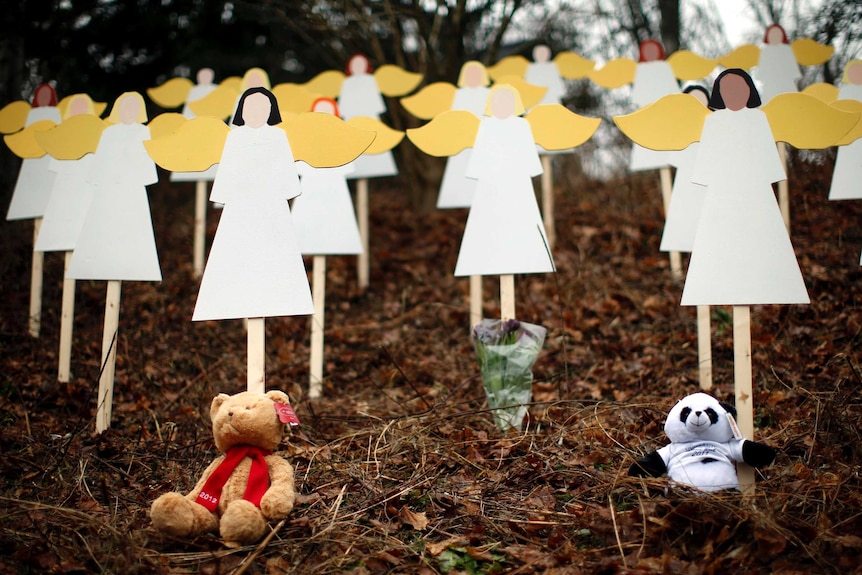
(358, 65)
(734, 91)
(541, 53)
(325, 107)
(473, 76)
(503, 104)
(130, 109)
(78, 105)
(256, 110)
(651, 52)
(205, 76)
(42, 96)
(774, 35)
(854, 73)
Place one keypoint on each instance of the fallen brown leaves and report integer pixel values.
(399, 467)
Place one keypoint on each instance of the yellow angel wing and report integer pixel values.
(746, 57)
(194, 146)
(809, 52)
(395, 81)
(232, 82)
(615, 73)
(530, 93)
(73, 138)
(293, 98)
(856, 132)
(324, 141)
(805, 122)
(431, 100)
(687, 65)
(672, 122)
(171, 94)
(326, 83)
(164, 124)
(386, 139)
(555, 127)
(23, 143)
(13, 116)
(573, 66)
(447, 134)
(218, 103)
(509, 66)
(822, 91)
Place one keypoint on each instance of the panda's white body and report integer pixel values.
(705, 465)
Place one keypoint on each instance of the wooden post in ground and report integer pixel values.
(548, 200)
(318, 321)
(110, 340)
(363, 262)
(256, 354)
(507, 297)
(200, 227)
(783, 189)
(704, 347)
(743, 388)
(35, 321)
(67, 319)
(475, 300)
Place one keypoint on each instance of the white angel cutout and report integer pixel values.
(847, 173)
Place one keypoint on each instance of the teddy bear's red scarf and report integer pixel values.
(258, 476)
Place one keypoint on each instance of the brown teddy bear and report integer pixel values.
(244, 488)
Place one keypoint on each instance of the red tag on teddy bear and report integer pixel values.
(286, 414)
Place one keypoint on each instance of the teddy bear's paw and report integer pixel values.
(241, 524)
(277, 503)
(173, 514)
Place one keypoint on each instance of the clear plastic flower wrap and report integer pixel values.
(506, 351)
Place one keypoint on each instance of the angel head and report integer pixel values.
(326, 106)
(473, 74)
(504, 101)
(650, 51)
(775, 34)
(79, 104)
(129, 108)
(734, 90)
(44, 95)
(541, 53)
(358, 64)
(853, 72)
(256, 107)
(205, 76)
(255, 78)
(699, 92)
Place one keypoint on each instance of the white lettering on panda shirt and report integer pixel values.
(704, 465)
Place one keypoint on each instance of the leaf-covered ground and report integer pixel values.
(398, 465)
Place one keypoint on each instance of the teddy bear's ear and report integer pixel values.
(728, 408)
(217, 403)
(278, 396)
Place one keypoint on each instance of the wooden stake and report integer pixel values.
(704, 347)
(256, 354)
(67, 320)
(475, 300)
(200, 227)
(783, 191)
(666, 189)
(743, 387)
(318, 289)
(548, 200)
(110, 340)
(507, 297)
(35, 323)
(364, 261)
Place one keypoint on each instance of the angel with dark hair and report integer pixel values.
(274, 114)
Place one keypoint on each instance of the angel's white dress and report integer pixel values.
(255, 267)
(360, 96)
(456, 189)
(323, 214)
(35, 179)
(117, 240)
(742, 253)
(686, 202)
(67, 207)
(197, 92)
(652, 81)
(777, 71)
(847, 174)
(504, 232)
(546, 74)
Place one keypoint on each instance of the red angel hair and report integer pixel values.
(770, 28)
(39, 94)
(642, 50)
(325, 100)
(368, 68)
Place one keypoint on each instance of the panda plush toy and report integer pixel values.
(704, 448)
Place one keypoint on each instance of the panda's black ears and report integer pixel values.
(728, 408)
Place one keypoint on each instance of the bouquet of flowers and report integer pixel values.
(507, 351)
